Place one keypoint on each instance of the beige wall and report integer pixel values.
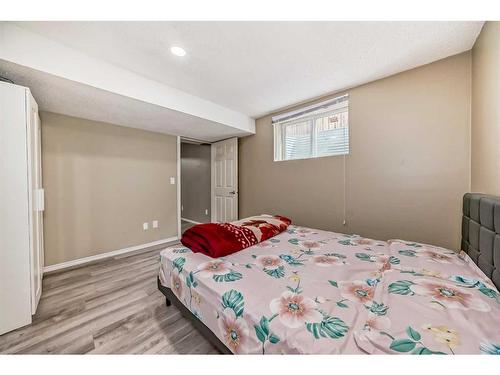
(102, 182)
(407, 171)
(486, 110)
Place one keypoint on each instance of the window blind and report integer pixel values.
(313, 131)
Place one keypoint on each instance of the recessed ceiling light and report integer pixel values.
(178, 51)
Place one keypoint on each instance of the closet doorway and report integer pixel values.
(195, 183)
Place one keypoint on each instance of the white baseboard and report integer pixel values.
(190, 221)
(80, 261)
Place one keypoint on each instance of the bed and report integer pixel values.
(308, 291)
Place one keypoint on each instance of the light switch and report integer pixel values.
(145, 226)
(172, 180)
(206, 211)
(155, 223)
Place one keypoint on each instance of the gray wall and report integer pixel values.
(195, 182)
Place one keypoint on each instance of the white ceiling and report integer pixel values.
(66, 81)
(75, 99)
(258, 67)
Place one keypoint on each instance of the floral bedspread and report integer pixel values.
(313, 291)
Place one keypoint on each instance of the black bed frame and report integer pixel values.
(198, 324)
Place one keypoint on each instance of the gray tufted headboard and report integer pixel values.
(481, 233)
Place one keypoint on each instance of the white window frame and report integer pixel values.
(330, 111)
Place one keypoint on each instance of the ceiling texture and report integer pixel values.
(255, 68)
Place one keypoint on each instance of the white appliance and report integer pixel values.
(21, 207)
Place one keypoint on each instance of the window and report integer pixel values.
(313, 132)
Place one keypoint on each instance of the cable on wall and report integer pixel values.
(344, 222)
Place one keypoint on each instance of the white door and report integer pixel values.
(36, 198)
(225, 180)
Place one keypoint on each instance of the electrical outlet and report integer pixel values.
(155, 223)
(206, 211)
(145, 226)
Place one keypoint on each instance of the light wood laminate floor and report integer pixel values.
(112, 306)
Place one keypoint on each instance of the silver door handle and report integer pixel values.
(232, 192)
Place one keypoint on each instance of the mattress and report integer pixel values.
(318, 292)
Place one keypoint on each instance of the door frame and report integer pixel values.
(179, 230)
(179, 195)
